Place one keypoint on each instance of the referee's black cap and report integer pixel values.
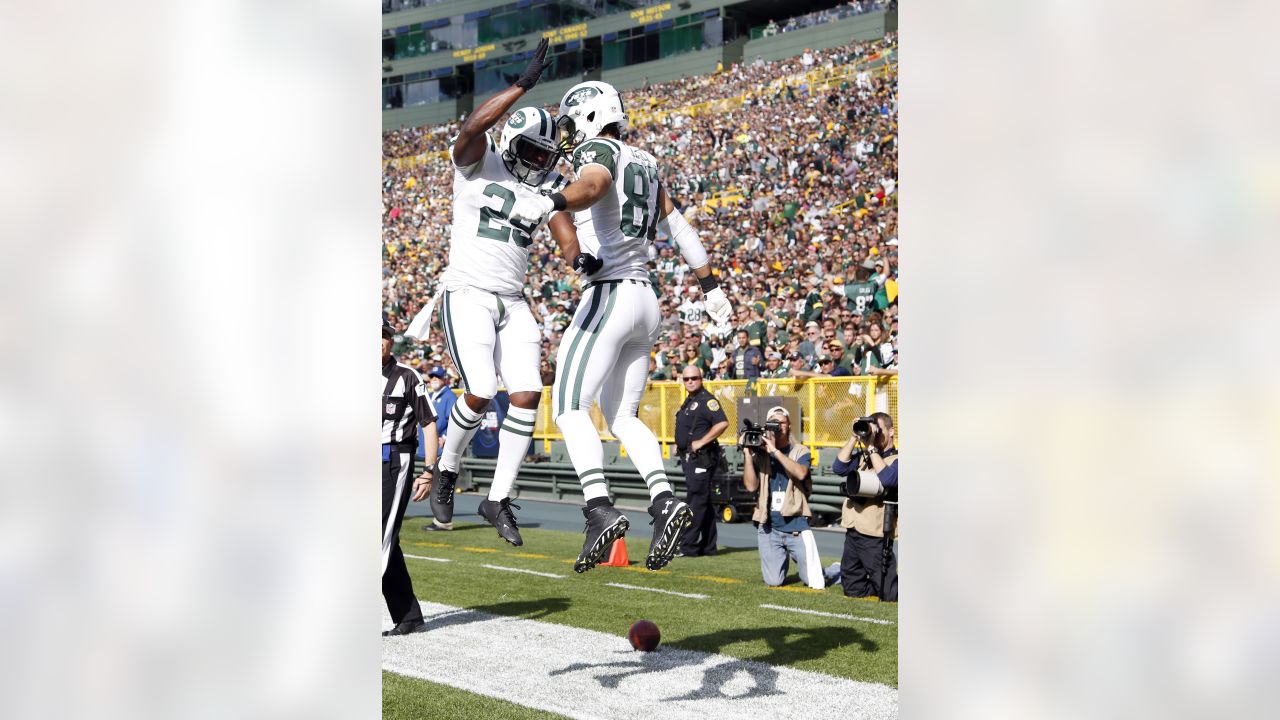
(387, 330)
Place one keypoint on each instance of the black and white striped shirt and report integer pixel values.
(405, 404)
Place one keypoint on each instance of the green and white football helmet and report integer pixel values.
(530, 145)
(592, 105)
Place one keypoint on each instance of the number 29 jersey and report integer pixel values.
(619, 228)
(487, 250)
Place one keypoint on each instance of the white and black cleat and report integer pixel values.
(499, 515)
(671, 520)
(604, 525)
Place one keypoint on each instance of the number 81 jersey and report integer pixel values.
(619, 228)
(487, 250)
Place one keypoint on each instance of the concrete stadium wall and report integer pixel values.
(820, 37)
(658, 71)
(431, 114)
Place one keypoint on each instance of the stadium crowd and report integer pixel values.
(793, 191)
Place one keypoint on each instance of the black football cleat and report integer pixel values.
(499, 515)
(604, 525)
(408, 627)
(444, 486)
(671, 520)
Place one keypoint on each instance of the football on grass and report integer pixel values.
(644, 635)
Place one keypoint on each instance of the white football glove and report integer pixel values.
(532, 210)
(718, 306)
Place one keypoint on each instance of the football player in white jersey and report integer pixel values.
(484, 313)
(618, 203)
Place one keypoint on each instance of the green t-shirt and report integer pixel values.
(862, 294)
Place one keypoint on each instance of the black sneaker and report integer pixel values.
(408, 627)
(671, 519)
(444, 486)
(604, 525)
(499, 515)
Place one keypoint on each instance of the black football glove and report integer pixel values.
(536, 65)
(587, 264)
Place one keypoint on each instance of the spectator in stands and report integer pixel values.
(746, 358)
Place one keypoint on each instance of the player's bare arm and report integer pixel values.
(565, 234)
(469, 147)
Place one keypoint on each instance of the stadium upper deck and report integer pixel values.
(440, 59)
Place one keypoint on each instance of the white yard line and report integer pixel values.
(522, 570)
(590, 675)
(877, 621)
(424, 557)
(695, 596)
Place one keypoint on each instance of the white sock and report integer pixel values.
(514, 437)
(585, 450)
(642, 448)
(463, 423)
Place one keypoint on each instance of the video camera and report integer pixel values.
(753, 434)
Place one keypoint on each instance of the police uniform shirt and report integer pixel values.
(695, 417)
(405, 404)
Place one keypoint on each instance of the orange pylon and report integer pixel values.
(617, 554)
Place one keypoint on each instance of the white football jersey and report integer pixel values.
(619, 228)
(486, 249)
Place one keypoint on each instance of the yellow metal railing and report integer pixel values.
(828, 407)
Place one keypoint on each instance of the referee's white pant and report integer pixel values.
(490, 335)
(605, 352)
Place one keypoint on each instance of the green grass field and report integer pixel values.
(730, 622)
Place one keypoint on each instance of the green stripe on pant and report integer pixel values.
(449, 339)
(573, 347)
(586, 353)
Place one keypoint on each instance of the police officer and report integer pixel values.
(699, 421)
(404, 407)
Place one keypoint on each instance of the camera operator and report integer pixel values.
(699, 421)
(778, 467)
(869, 461)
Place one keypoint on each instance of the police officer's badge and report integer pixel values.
(694, 406)
(712, 405)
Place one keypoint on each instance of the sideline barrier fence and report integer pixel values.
(828, 407)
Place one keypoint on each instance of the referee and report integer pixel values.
(404, 406)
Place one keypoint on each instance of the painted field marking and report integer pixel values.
(876, 621)
(522, 570)
(694, 596)
(424, 557)
(645, 570)
(713, 578)
(535, 556)
(590, 675)
(793, 588)
(424, 543)
(479, 550)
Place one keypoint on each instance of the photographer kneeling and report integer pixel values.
(782, 508)
(869, 461)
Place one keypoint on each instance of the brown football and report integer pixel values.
(644, 635)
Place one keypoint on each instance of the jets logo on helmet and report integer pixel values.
(530, 145)
(592, 106)
(579, 96)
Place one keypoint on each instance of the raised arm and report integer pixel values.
(469, 147)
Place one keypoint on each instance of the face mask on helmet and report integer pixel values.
(530, 145)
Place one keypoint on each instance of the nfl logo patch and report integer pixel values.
(391, 408)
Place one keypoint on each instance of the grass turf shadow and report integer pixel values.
(787, 645)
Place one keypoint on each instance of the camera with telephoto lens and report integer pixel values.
(862, 484)
(753, 434)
